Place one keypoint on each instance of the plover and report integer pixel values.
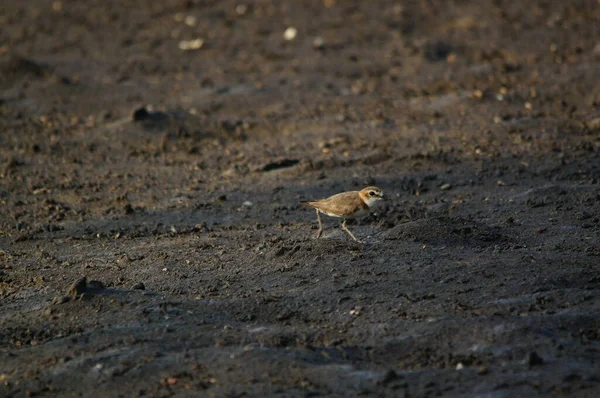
(346, 205)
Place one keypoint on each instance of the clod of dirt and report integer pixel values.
(437, 51)
(12, 164)
(20, 66)
(143, 114)
(82, 287)
(533, 359)
(128, 209)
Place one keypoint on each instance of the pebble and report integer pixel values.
(189, 45)
(139, 286)
(446, 187)
(77, 288)
(290, 33)
(319, 42)
(190, 20)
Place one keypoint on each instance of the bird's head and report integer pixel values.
(371, 195)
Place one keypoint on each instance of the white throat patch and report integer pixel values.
(372, 201)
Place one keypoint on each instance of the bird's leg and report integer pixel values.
(320, 231)
(349, 233)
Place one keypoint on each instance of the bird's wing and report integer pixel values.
(344, 203)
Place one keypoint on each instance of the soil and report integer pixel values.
(153, 155)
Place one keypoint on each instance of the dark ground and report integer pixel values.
(481, 277)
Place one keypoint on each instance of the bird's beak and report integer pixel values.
(382, 196)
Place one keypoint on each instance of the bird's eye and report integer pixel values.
(372, 193)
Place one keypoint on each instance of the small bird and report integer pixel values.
(346, 205)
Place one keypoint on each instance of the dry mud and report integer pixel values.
(151, 240)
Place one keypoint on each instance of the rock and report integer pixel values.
(190, 45)
(139, 286)
(290, 33)
(140, 114)
(82, 287)
(78, 288)
(143, 114)
(446, 187)
(95, 285)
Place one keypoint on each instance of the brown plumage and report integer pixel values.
(346, 205)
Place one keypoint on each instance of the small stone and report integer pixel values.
(139, 286)
(482, 370)
(318, 42)
(171, 381)
(189, 45)
(355, 311)
(446, 187)
(460, 366)
(190, 20)
(241, 9)
(290, 33)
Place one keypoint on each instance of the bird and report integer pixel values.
(346, 205)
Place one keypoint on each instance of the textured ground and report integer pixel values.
(171, 178)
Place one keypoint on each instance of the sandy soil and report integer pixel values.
(170, 178)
